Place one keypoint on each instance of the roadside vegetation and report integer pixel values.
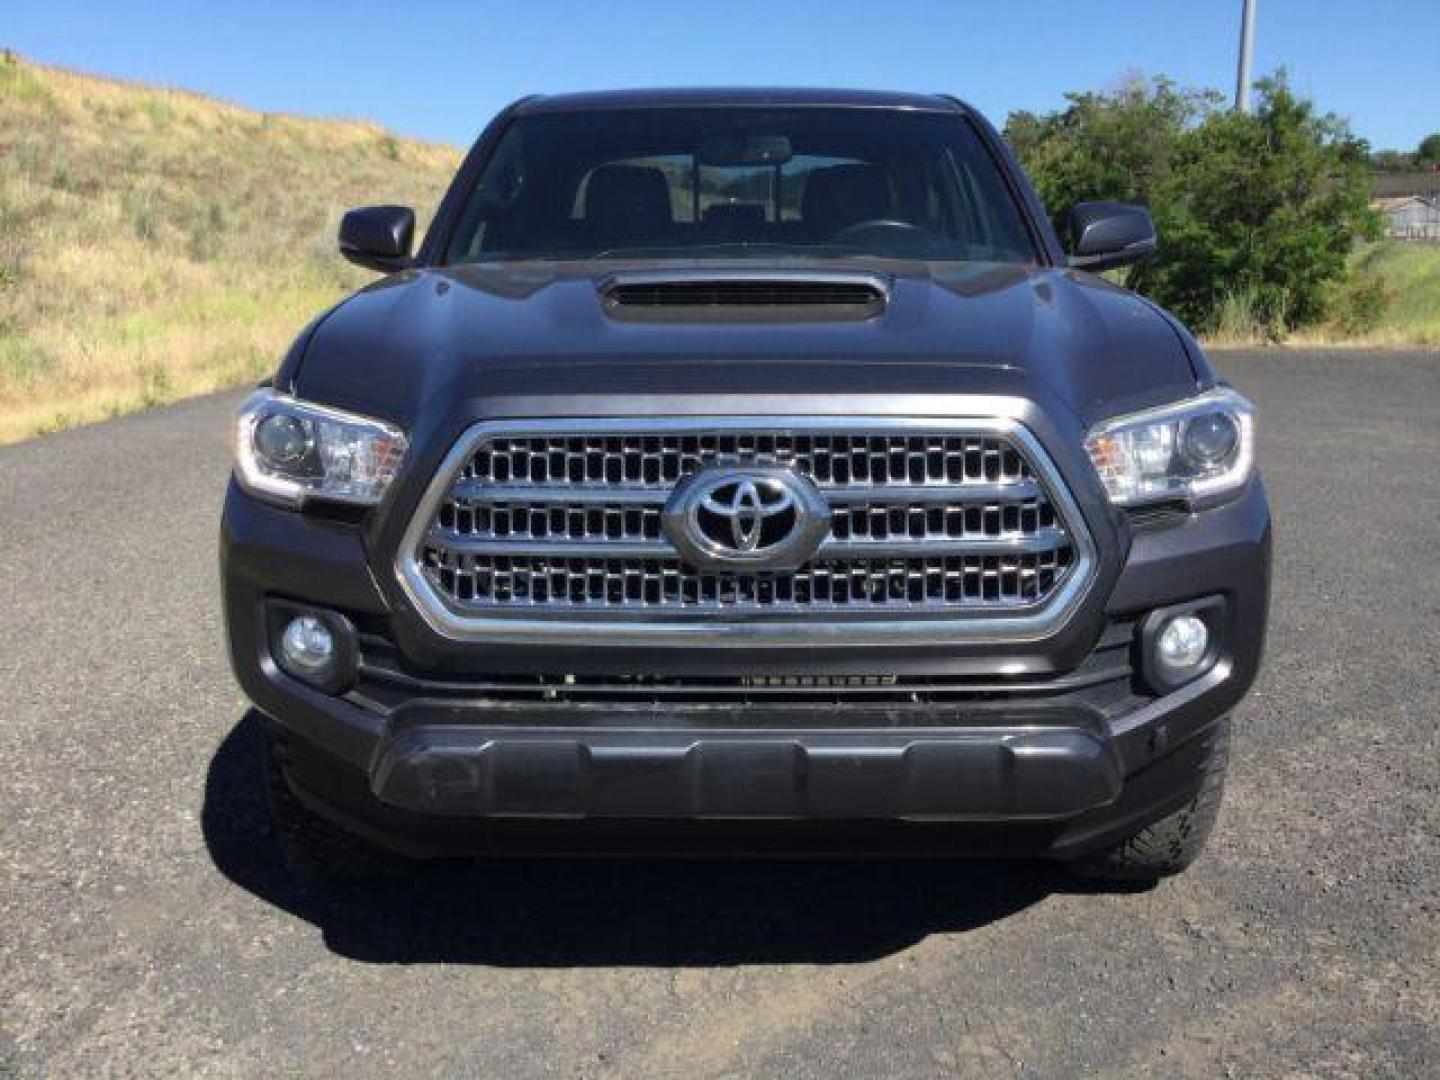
(1260, 215)
(1390, 298)
(157, 244)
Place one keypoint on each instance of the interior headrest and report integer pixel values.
(628, 201)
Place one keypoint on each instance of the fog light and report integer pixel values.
(307, 646)
(1184, 642)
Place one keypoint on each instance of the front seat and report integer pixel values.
(628, 205)
(843, 195)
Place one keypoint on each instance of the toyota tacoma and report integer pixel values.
(748, 471)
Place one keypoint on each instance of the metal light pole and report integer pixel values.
(1247, 40)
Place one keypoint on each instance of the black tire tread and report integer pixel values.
(1171, 844)
(315, 849)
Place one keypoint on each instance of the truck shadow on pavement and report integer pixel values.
(576, 912)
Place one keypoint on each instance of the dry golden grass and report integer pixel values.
(156, 244)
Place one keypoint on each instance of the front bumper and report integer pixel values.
(555, 772)
(1055, 749)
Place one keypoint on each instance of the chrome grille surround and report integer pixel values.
(549, 531)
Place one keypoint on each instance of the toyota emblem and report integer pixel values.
(764, 518)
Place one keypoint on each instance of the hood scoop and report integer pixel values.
(729, 296)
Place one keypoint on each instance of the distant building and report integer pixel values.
(1410, 217)
(1391, 185)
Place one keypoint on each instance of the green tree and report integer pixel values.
(1117, 145)
(1264, 206)
(1428, 152)
(1267, 205)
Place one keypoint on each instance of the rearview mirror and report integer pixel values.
(1108, 234)
(378, 237)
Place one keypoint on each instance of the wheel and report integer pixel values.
(1171, 844)
(316, 850)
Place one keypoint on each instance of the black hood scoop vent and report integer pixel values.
(729, 296)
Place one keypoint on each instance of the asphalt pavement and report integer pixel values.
(147, 926)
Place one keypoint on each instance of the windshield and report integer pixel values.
(685, 183)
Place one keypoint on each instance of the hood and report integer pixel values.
(540, 339)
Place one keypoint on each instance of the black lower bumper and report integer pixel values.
(1094, 800)
(953, 774)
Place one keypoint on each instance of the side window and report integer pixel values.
(763, 186)
(500, 192)
(751, 185)
(507, 184)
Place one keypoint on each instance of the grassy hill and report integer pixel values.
(156, 244)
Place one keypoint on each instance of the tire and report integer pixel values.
(316, 850)
(1171, 844)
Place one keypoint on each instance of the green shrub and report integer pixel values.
(1361, 306)
(1242, 315)
(1255, 212)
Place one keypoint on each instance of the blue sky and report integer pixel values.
(438, 69)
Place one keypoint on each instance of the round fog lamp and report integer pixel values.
(308, 645)
(1183, 642)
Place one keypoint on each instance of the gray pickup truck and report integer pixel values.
(745, 471)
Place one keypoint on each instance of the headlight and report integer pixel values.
(288, 450)
(1199, 450)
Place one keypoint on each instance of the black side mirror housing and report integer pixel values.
(1108, 234)
(378, 237)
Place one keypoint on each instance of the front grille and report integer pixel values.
(567, 521)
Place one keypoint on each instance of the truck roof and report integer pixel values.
(660, 98)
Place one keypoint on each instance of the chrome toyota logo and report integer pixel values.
(766, 518)
(743, 508)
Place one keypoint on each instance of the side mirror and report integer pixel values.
(1110, 234)
(378, 237)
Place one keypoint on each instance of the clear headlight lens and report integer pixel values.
(288, 450)
(1200, 450)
